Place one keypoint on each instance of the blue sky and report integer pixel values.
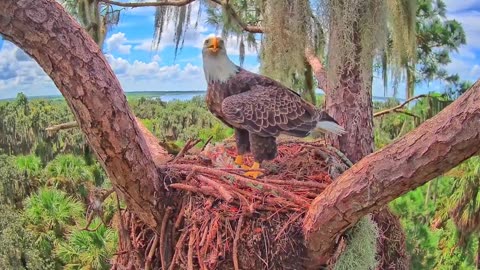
(139, 68)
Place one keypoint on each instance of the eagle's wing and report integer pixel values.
(269, 110)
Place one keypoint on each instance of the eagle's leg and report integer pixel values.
(243, 146)
(263, 148)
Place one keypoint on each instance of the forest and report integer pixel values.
(67, 197)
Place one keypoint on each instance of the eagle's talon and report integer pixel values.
(245, 167)
(254, 173)
(239, 160)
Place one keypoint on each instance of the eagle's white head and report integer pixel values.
(216, 64)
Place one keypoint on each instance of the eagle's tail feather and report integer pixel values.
(328, 126)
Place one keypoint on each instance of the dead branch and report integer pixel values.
(148, 261)
(235, 242)
(234, 16)
(206, 143)
(189, 145)
(222, 190)
(435, 147)
(178, 250)
(163, 229)
(399, 107)
(191, 242)
(318, 69)
(55, 128)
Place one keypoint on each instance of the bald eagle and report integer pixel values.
(257, 107)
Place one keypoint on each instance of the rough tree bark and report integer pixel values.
(127, 152)
(436, 146)
(80, 71)
(350, 103)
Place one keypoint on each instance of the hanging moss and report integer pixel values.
(283, 46)
(361, 247)
(181, 16)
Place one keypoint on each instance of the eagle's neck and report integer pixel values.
(218, 68)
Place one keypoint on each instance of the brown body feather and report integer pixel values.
(260, 109)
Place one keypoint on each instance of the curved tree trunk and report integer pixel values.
(80, 71)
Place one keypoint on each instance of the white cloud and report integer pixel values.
(465, 62)
(467, 69)
(117, 43)
(470, 21)
(20, 73)
(151, 76)
(144, 45)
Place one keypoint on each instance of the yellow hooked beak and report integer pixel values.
(214, 48)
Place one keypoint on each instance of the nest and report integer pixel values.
(228, 221)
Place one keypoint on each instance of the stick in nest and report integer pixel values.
(243, 181)
(178, 250)
(191, 242)
(148, 261)
(235, 242)
(163, 229)
(189, 145)
(227, 196)
(206, 143)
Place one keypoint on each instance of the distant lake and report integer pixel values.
(187, 95)
(172, 95)
(166, 95)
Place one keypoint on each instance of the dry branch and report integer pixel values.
(234, 16)
(399, 107)
(318, 69)
(62, 126)
(435, 147)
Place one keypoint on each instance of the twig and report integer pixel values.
(148, 261)
(297, 183)
(124, 232)
(234, 16)
(189, 145)
(203, 190)
(235, 242)
(179, 219)
(191, 242)
(206, 143)
(227, 196)
(287, 224)
(339, 153)
(178, 250)
(397, 108)
(58, 127)
(163, 229)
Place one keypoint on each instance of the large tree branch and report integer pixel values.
(435, 147)
(80, 71)
(149, 4)
(318, 69)
(234, 16)
(397, 108)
